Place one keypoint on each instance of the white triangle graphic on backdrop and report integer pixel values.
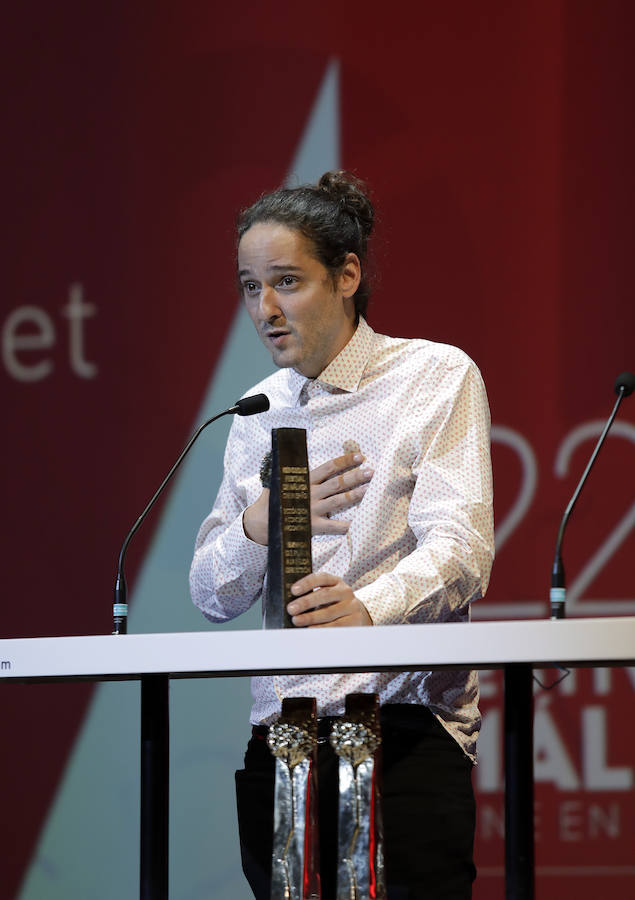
(90, 844)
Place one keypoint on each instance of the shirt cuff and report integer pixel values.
(378, 607)
(240, 550)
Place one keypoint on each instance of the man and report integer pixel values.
(401, 504)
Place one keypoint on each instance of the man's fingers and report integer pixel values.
(322, 509)
(311, 581)
(317, 606)
(336, 485)
(342, 482)
(337, 502)
(321, 599)
(320, 616)
(334, 467)
(322, 525)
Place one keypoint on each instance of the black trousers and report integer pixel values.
(428, 809)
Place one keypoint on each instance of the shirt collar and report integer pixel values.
(345, 371)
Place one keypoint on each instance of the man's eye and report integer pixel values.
(250, 287)
(288, 281)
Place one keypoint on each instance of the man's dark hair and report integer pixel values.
(335, 215)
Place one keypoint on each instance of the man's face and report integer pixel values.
(303, 316)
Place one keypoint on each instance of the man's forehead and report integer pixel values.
(272, 248)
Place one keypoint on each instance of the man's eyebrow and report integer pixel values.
(276, 268)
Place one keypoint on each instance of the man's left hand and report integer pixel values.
(323, 599)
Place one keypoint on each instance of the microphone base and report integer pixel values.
(120, 616)
(557, 597)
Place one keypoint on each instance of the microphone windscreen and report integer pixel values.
(249, 406)
(625, 383)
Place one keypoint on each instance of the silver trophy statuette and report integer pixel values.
(356, 739)
(295, 861)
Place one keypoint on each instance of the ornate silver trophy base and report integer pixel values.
(356, 739)
(295, 861)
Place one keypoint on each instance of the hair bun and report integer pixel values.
(352, 195)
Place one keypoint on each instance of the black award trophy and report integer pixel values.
(289, 553)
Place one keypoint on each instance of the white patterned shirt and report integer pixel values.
(420, 544)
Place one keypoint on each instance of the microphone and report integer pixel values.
(248, 406)
(624, 385)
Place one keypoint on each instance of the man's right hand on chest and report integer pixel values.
(335, 485)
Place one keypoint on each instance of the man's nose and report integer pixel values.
(269, 306)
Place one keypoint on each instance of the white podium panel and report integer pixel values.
(479, 645)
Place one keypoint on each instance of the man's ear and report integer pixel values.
(350, 275)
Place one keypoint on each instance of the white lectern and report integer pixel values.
(517, 647)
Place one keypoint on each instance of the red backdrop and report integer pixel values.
(499, 141)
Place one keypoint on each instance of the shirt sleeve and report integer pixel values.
(450, 512)
(228, 569)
